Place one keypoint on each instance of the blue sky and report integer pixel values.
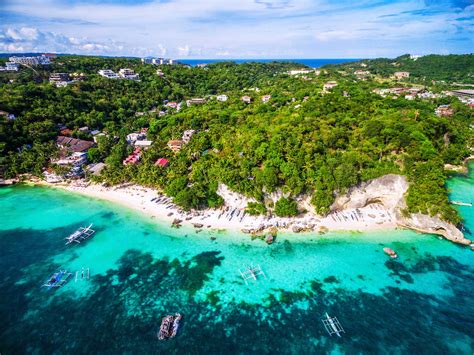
(238, 28)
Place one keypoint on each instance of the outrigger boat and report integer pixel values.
(80, 235)
(332, 325)
(58, 279)
(169, 327)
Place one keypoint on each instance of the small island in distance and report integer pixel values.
(362, 145)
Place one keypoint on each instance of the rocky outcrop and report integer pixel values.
(387, 190)
(433, 225)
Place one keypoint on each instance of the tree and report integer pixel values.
(286, 207)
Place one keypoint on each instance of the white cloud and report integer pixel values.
(206, 28)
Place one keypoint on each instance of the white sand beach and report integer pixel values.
(232, 215)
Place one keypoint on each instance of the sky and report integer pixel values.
(238, 29)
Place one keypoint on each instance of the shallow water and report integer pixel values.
(142, 269)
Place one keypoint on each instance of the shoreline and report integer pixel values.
(231, 217)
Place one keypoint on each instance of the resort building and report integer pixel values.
(266, 98)
(75, 159)
(162, 162)
(246, 99)
(129, 74)
(73, 144)
(187, 135)
(84, 129)
(31, 61)
(158, 61)
(329, 85)
(401, 75)
(175, 145)
(444, 111)
(109, 74)
(196, 101)
(222, 98)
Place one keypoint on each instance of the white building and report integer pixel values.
(129, 74)
(266, 98)
(10, 66)
(158, 61)
(133, 137)
(32, 61)
(222, 98)
(109, 74)
(300, 71)
(329, 85)
(143, 143)
(187, 135)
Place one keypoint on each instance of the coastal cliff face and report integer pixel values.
(389, 191)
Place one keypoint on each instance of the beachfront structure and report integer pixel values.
(266, 98)
(222, 98)
(187, 135)
(195, 101)
(109, 74)
(75, 159)
(329, 85)
(143, 143)
(129, 74)
(175, 145)
(162, 162)
(133, 158)
(31, 61)
(246, 99)
(401, 75)
(73, 144)
(444, 111)
(96, 169)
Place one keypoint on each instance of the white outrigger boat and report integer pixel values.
(58, 279)
(332, 325)
(80, 235)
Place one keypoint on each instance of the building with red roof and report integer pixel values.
(163, 162)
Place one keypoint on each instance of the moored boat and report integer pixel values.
(169, 326)
(390, 252)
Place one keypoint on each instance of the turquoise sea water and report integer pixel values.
(142, 269)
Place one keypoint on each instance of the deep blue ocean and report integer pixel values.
(313, 63)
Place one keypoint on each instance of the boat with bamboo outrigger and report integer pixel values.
(58, 279)
(169, 326)
(80, 235)
(332, 325)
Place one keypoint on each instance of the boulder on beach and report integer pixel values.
(269, 239)
(198, 225)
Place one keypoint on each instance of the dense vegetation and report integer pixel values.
(303, 141)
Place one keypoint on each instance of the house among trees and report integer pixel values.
(109, 74)
(187, 135)
(175, 145)
(266, 98)
(162, 162)
(329, 85)
(401, 75)
(59, 79)
(129, 74)
(444, 111)
(73, 144)
(246, 99)
(222, 98)
(195, 101)
(8, 116)
(133, 158)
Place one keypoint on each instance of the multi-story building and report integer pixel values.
(58, 77)
(329, 85)
(10, 66)
(126, 73)
(32, 61)
(109, 74)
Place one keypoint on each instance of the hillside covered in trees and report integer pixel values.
(305, 140)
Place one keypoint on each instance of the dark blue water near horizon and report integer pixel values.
(312, 63)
